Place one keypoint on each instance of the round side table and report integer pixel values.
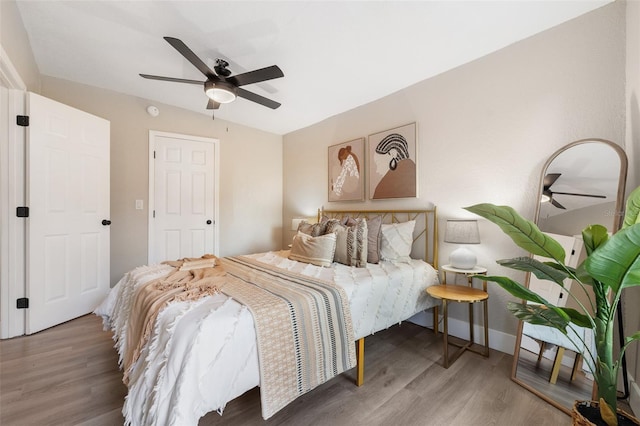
(461, 294)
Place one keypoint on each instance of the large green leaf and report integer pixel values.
(583, 275)
(523, 232)
(578, 318)
(518, 290)
(594, 236)
(632, 214)
(617, 263)
(634, 336)
(538, 315)
(539, 269)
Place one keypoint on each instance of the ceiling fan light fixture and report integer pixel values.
(544, 198)
(221, 91)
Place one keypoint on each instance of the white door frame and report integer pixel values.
(216, 185)
(12, 195)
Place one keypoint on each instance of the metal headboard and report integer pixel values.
(426, 230)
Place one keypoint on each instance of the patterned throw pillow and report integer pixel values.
(396, 241)
(373, 236)
(314, 229)
(315, 250)
(351, 242)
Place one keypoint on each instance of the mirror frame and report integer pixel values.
(617, 222)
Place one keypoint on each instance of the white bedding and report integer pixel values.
(203, 354)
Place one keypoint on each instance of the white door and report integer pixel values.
(550, 290)
(182, 196)
(68, 224)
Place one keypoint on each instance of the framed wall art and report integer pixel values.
(346, 172)
(392, 156)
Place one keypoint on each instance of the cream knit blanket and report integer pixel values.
(190, 280)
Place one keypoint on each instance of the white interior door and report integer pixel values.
(183, 196)
(547, 289)
(550, 290)
(68, 199)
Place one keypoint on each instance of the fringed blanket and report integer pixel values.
(303, 326)
(190, 280)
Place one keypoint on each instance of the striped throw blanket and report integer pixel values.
(303, 327)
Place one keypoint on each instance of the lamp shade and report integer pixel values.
(462, 231)
(459, 231)
(295, 222)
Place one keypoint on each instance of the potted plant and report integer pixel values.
(612, 264)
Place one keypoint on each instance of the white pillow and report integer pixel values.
(315, 250)
(396, 241)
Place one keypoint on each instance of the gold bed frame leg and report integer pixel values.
(360, 362)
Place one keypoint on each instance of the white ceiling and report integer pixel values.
(335, 55)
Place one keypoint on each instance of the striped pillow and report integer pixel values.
(315, 250)
(351, 242)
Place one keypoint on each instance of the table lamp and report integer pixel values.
(295, 222)
(462, 231)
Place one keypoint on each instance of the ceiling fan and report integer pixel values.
(220, 86)
(547, 193)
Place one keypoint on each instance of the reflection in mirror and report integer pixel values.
(581, 184)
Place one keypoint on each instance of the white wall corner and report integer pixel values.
(9, 76)
(634, 394)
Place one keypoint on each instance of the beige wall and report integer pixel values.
(631, 296)
(485, 130)
(15, 43)
(250, 172)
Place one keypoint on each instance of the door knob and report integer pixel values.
(106, 222)
(209, 222)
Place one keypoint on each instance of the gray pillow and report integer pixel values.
(373, 239)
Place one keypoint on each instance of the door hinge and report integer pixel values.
(154, 214)
(154, 155)
(22, 211)
(22, 120)
(22, 303)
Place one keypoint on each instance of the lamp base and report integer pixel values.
(462, 258)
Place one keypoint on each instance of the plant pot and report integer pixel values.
(587, 413)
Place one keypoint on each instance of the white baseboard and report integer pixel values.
(634, 395)
(498, 340)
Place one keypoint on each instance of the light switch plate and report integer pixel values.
(139, 204)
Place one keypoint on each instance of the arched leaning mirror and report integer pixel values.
(581, 184)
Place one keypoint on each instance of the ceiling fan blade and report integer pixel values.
(257, 98)
(550, 179)
(557, 204)
(191, 57)
(212, 104)
(581, 195)
(256, 76)
(176, 80)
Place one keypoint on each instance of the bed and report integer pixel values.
(202, 353)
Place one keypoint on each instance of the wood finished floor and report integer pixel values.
(68, 375)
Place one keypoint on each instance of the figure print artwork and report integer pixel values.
(392, 160)
(346, 178)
